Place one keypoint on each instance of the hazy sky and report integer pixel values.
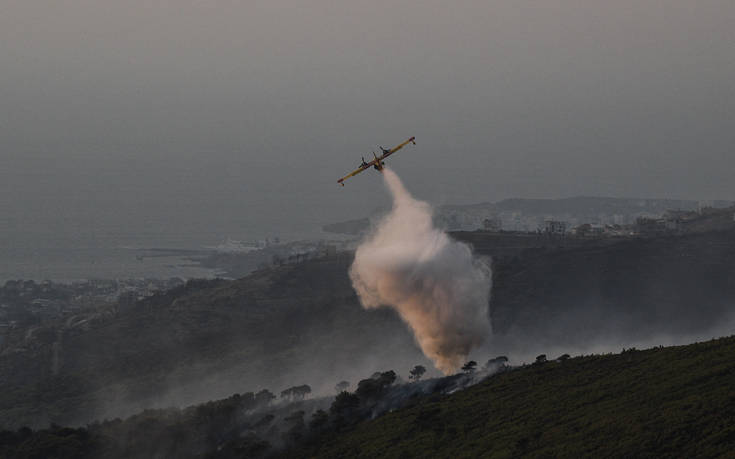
(232, 118)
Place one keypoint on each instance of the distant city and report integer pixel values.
(578, 216)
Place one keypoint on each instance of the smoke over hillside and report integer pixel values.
(434, 283)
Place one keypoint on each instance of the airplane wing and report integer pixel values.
(398, 147)
(354, 173)
(377, 162)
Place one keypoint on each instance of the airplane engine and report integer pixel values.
(376, 163)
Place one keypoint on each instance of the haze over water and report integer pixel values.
(180, 124)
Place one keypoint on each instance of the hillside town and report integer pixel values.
(672, 222)
(27, 303)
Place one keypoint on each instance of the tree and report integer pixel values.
(247, 400)
(344, 409)
(541, 358)
(264, 422)
(251, 446)
(342, 386)
(264, 397)
(296, 392)
(299, 392)
(416, 373)
(372, 388)
(318, 420)
(497, 363)
(469, 367)
(344, 401)
(296, 426)
(563, 357)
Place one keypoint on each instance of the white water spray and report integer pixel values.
(434, 283)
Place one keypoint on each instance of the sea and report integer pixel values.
(135, 258)
(75, 264)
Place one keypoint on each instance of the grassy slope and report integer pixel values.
(677, 401)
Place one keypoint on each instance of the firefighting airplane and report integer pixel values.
(377, 163)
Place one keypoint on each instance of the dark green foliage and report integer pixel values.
(248, 446)
(296, 392)
(237, 329)
(54, 442)
(219, 331)
(497, 363)
(296, 426)
(469, 367)
(374, 387)
(264, 397)
(344, 410)
(318, 420)
(417, 372)
(675, 401)
(264, 422)
(659, 402)
(344, 401)
(193, 432)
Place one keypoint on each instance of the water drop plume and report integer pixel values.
(434, 283)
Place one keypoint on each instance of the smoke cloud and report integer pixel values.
(434, 283)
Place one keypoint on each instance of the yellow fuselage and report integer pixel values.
(378, 164)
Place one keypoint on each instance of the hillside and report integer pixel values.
(675, 401)
(202, 341)
(577, 294)
(660, 402)
(528, 214)
(301, 323)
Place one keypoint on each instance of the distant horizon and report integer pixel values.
(290, 196)
(203, 120)
(135, 236)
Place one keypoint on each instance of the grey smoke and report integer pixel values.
(434, 283)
